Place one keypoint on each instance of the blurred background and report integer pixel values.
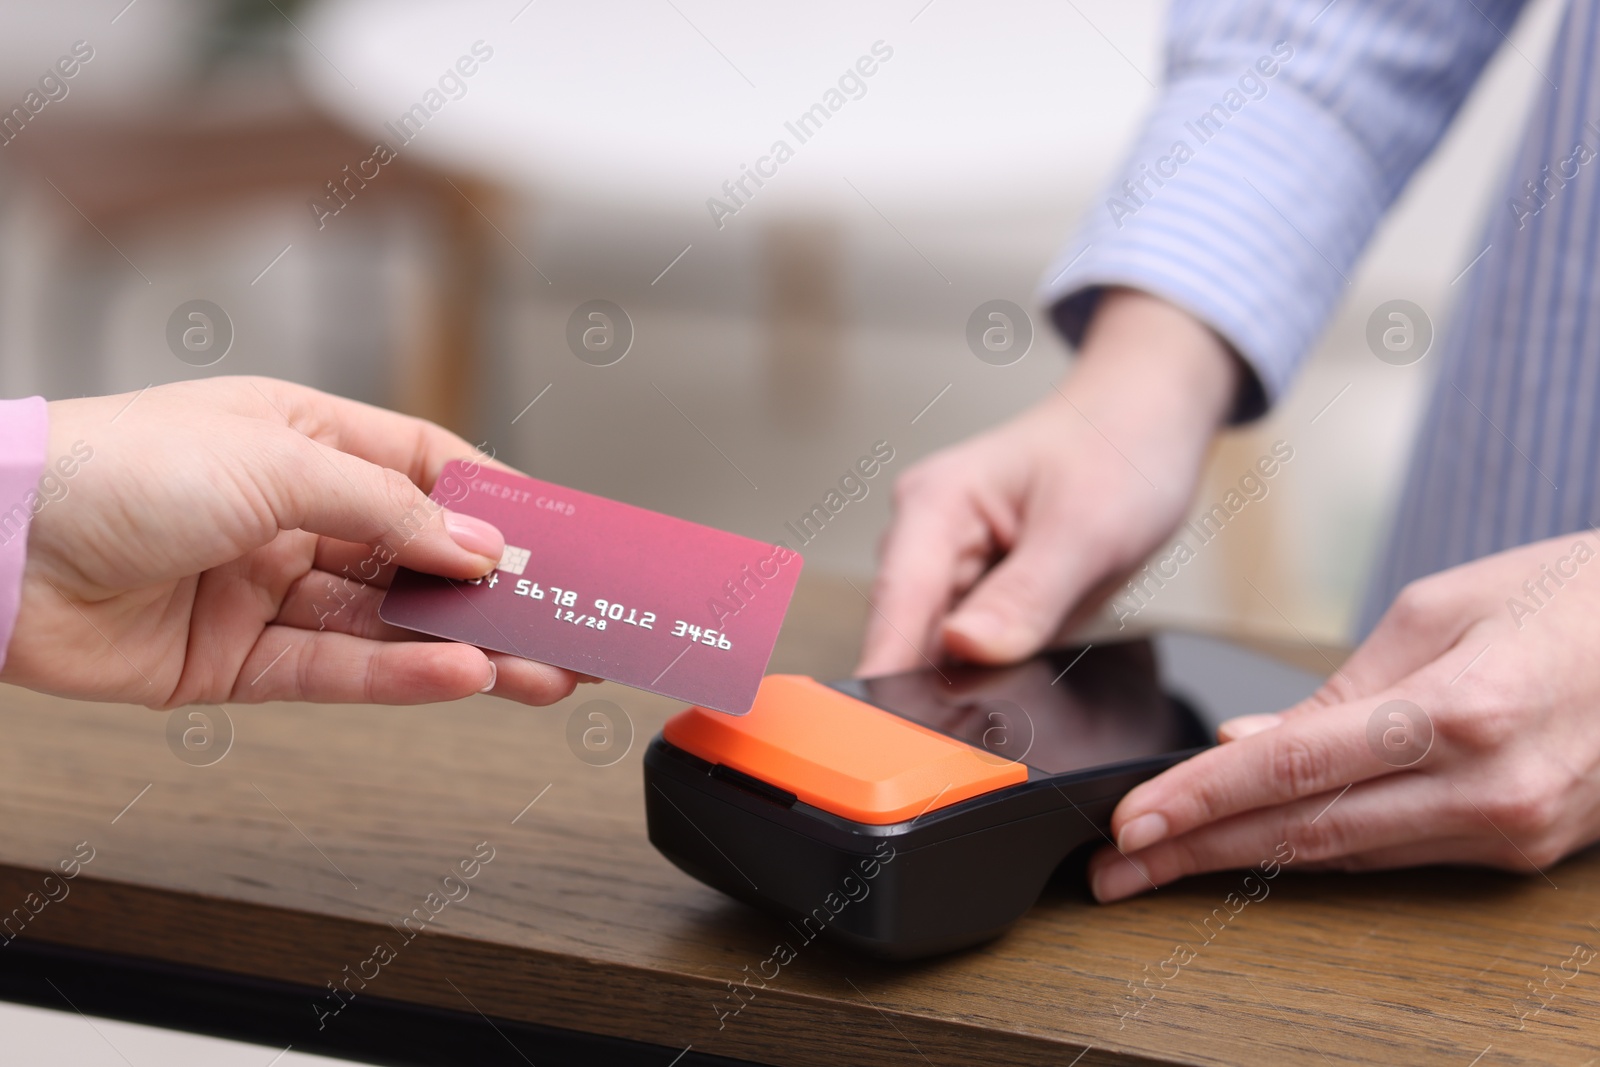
(549, 154)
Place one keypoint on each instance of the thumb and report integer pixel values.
(334, 494)
(1020, 603)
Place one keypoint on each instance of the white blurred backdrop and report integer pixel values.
(822, 316)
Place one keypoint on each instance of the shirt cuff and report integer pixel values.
(24, 426)
(1248, 219)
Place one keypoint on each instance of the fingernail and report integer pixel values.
(1123, 877)
(1142, 832)
(493, 674)
(1245, 725)
(474, 535)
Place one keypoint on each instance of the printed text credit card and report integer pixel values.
(608, 589)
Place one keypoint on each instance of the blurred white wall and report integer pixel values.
(951, 182)
(136, 59)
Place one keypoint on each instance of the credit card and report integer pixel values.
(608, 589)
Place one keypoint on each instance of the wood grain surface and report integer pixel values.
(292, 856)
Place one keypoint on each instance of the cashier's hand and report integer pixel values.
(1499, 769)
(1000, 542)
(230, 540)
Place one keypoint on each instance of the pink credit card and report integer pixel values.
(608, 589)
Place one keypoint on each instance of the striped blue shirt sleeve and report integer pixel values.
(1284, 130)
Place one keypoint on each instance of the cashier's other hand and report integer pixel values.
(1000, 542)
(1499, 768)
(230, 540)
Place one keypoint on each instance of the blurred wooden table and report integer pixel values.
(290, 858)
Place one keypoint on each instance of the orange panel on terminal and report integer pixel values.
(841, 755)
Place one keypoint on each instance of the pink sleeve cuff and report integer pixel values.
(24, 426)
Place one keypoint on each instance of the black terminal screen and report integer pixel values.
(1063, 710)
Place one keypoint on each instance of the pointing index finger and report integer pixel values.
(1304, 756)
(913, 589)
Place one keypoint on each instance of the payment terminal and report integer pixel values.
(918, 813)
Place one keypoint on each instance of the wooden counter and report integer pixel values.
(291, 857)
